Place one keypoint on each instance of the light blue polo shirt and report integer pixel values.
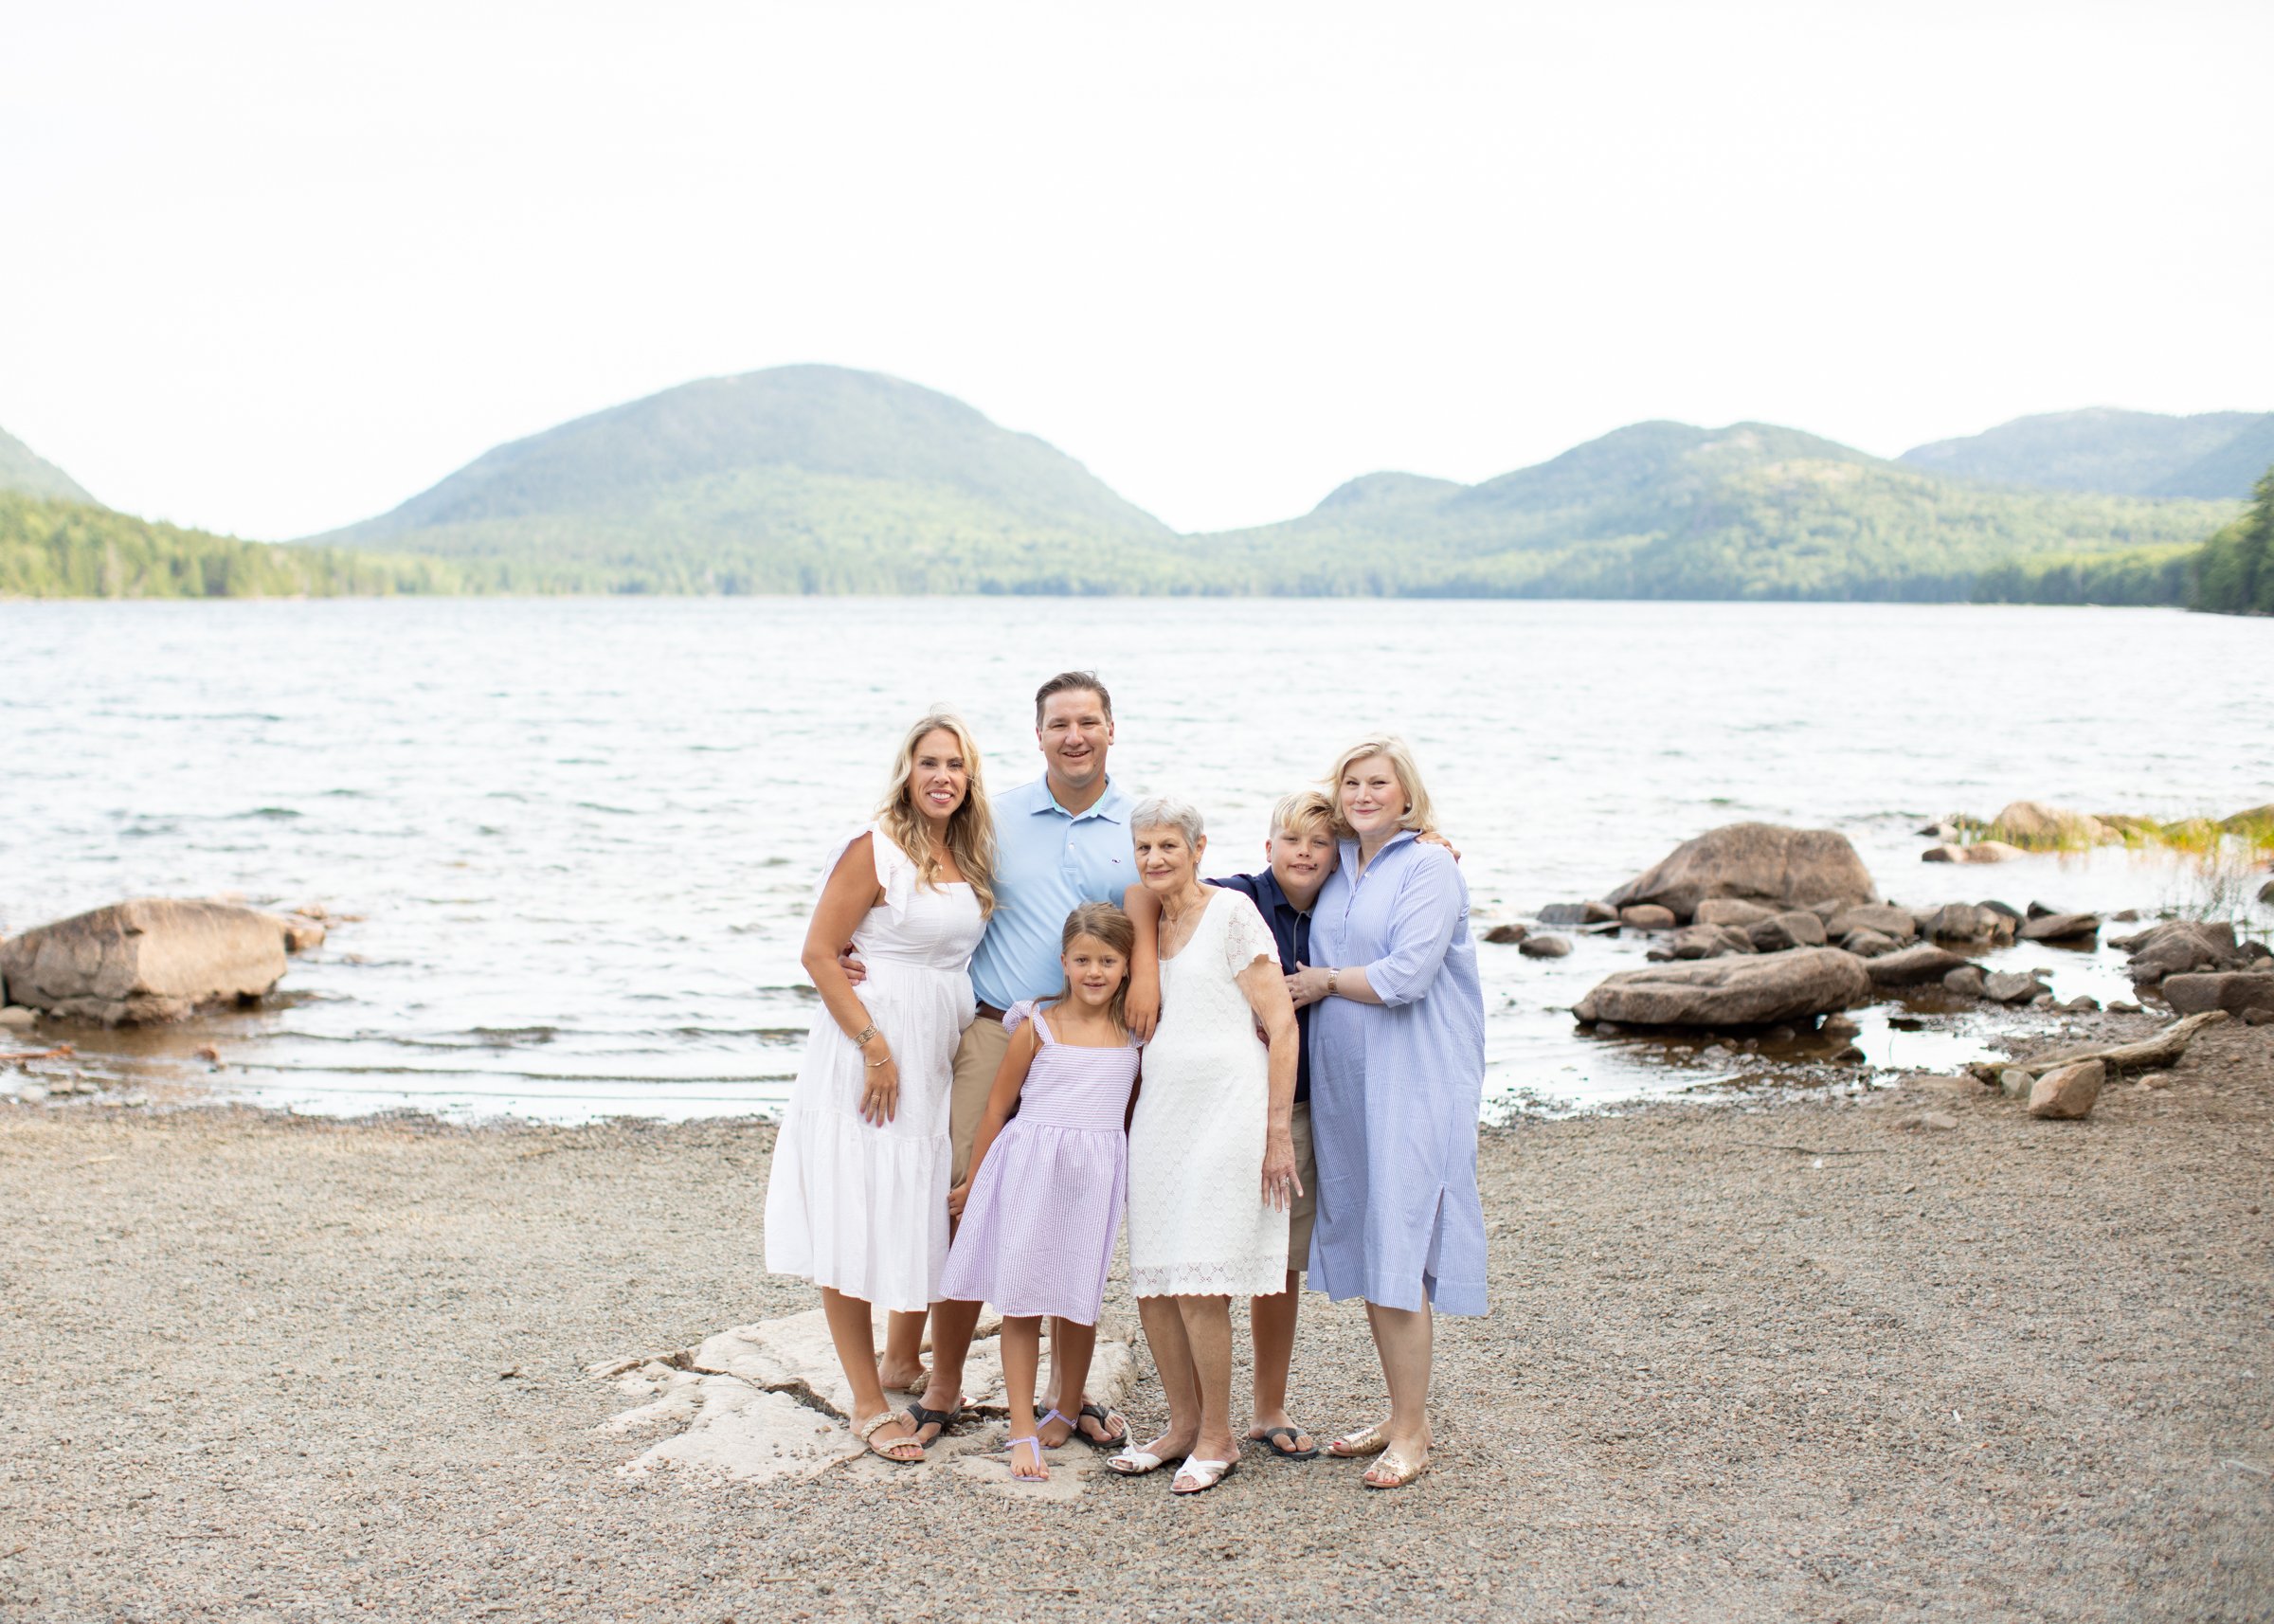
(1047, 861)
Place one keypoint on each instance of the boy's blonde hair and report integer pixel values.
(1400, 758)
(1303, 813)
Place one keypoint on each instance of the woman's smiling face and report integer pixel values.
(939, 778)
(1165, 859)
(1371, 798)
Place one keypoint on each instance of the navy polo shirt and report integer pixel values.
(1290, 928)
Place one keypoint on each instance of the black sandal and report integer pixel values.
(1286, 1451)
(943, 1419)
(1103, 1417)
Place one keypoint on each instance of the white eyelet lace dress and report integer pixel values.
(849, 1204)
(1198, 1224)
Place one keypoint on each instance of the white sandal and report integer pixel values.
(1206, 1475)
(1134, 1462)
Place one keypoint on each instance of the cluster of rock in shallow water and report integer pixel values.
(1767, 930)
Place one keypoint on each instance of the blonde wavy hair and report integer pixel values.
(970, 826)
(1417, 815)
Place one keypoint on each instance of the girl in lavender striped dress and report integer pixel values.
(1043, 1202)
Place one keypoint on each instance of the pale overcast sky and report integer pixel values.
(273, 268)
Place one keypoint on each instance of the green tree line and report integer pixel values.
(52, 549)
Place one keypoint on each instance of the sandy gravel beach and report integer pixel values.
(1796, 1361)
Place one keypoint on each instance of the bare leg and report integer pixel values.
(1271, 1327)
(1180, 1381)
(851, 1329)
(1021, 1355)
(1208, 1332)
(1404, 1337)
(951, 1327)
(1071, 1345)
(903, 1360)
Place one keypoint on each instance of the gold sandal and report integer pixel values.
(1401, 1474)
(1367, 1440)
(867, 1432)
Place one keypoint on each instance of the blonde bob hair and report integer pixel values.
(970, 826)
(1417, 815)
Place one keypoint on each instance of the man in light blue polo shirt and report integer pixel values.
(1059, 841)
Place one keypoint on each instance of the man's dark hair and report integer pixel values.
(1073, 681)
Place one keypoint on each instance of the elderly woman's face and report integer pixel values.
(1371, 797)
(1165, 859)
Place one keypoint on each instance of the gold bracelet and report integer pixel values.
(879, 1065)
(1330, 975)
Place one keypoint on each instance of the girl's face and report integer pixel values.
(1371, 799)
(1094, 970)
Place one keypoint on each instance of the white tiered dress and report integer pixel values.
(1198, 1224)
(851, 1205)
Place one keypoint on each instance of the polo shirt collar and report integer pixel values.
(1113, 806)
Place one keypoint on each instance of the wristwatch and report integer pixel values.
(1330, 975)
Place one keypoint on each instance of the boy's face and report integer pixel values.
(1300, 863)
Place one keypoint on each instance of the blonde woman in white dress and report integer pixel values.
(1212, 1152)
(856, 1202)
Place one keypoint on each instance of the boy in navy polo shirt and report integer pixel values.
(1303, 852)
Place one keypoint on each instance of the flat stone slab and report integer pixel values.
(767, 1402)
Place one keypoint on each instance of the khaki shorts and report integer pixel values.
(977, 1058)
(1306, 1204)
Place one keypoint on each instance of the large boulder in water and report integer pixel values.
(151, 959)
(1755, 862)
(1751, 990)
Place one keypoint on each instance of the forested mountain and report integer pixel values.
(25, 470)
(795, 480)
(52, 549)
(1665, 509)
(2213, 456)
(821, 479)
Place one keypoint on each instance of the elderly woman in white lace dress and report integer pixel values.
(1212, 1155)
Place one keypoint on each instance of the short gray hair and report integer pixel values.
(1168, 812)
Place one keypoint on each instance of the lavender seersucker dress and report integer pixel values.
(1037, 1232)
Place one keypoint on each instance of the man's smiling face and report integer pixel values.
(1074, 735)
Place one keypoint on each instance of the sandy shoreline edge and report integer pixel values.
(1793, 1361)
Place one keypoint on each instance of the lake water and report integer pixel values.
(578, 838)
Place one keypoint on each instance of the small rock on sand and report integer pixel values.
(1544, 947)
(1966, 980)
(2067, 1093)
(16, 1017)
(1506, 935)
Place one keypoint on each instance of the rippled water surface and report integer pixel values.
(577, 837)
